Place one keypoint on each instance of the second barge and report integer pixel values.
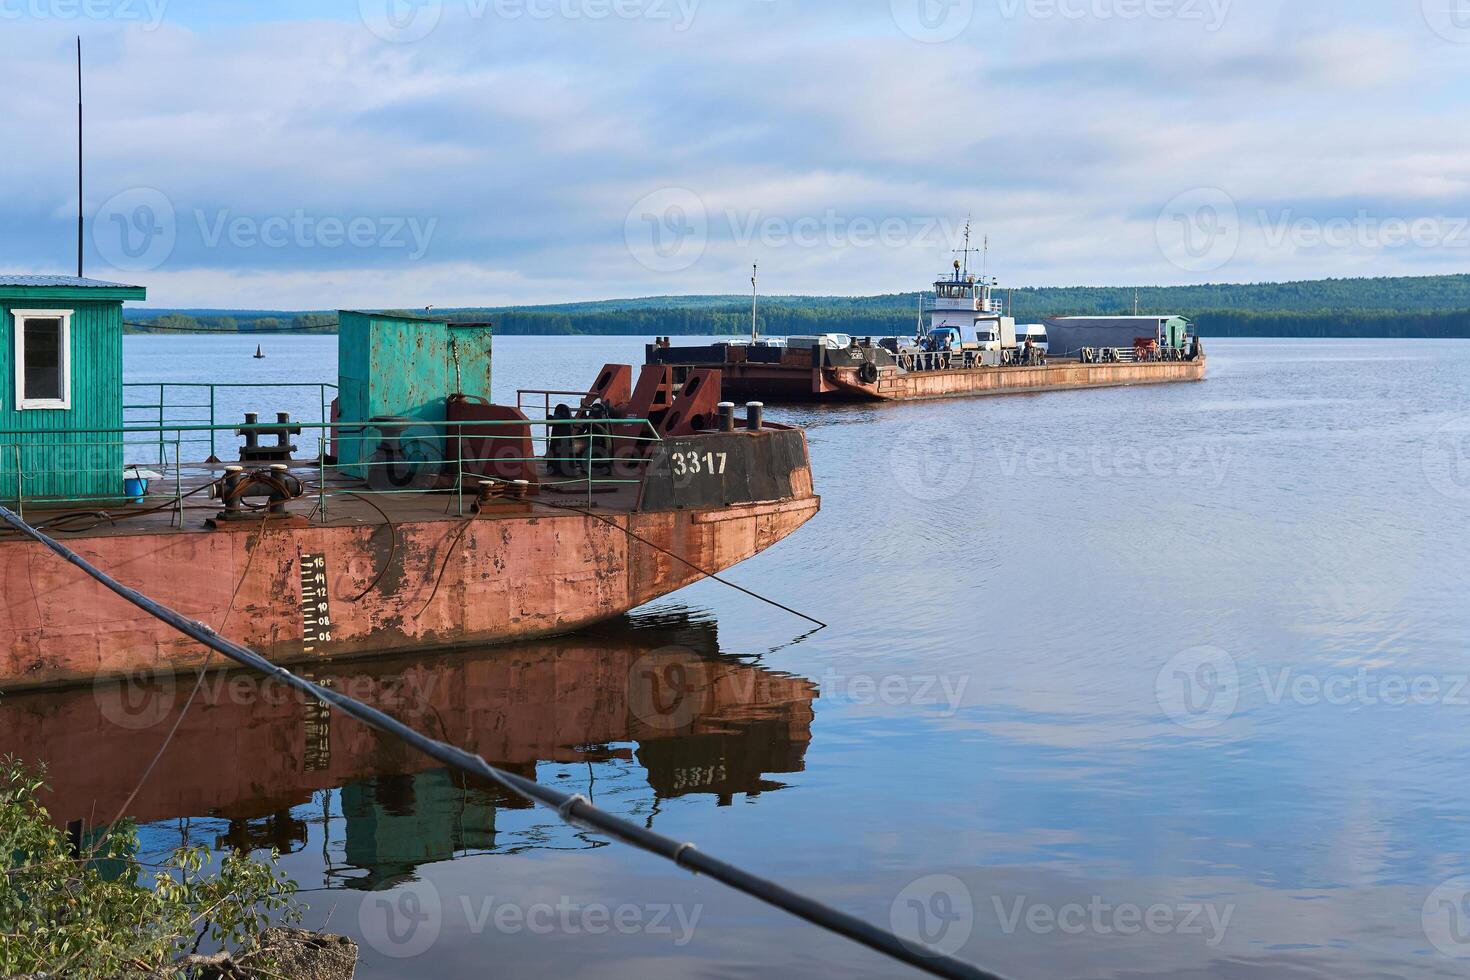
(969, 346)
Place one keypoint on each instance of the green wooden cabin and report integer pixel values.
(61, 381)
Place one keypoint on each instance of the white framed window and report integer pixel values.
(42, 359)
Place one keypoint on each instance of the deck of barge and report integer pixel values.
(181, 503)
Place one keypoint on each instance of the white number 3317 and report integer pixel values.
(699, 464)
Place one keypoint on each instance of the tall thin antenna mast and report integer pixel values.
(81, 221)
(966, 250)
(755, 332)
(985, 258)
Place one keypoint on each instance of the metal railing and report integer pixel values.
(387, 457)
(920, 361)
(81, 460)
(525, 400)
(175, 397)
(1131, 355)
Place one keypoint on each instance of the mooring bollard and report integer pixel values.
(279, 470)
(484, 493)
(753, 413)
(727, 416)
(227, 486)
(252, 437)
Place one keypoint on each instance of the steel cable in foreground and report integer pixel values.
(572, 809)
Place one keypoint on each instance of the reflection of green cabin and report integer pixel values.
(396, 823)
(60, 382)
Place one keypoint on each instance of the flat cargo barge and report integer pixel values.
(424, 518)
(868, 373)
(968, 347)
(893, 384)
(379, 574)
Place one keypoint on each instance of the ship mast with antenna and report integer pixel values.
(755, 332)
(81, 220)
(965, 252)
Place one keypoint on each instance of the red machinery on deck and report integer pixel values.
(615, 422)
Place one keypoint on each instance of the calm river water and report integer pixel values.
(1150, 682)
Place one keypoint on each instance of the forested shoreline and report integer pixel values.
(1421, 307)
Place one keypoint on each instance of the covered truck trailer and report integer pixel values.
(1066, 335)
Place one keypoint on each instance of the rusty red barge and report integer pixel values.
(427, 519)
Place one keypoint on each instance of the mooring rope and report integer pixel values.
(680, 558)
(574, 810)
(198, 684)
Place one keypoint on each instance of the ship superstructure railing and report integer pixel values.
(984, 299)
(979, 304)
(985, 310)
(138, 468)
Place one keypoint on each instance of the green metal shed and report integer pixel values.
(61, 387)
(393, 366)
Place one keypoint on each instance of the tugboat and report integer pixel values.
(423, 518)
(964, 344)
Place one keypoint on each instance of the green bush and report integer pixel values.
(105, 914)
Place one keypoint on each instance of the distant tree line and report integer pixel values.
(194, 323)
(778, 321)
(1431, 306)
(775, 320)
(1358, 323)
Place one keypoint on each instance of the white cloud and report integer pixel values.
(527, 140)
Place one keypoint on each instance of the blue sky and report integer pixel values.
(456, 152)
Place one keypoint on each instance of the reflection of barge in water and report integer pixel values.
(969, 347)
(438, 520)
(251, 753)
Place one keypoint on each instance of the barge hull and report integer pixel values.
(437, 584)
(894, 385)
(833, 376)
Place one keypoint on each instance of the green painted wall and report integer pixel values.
(73, 464)
(392, 365)
(403, 367)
